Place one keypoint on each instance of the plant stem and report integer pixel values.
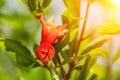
(109, 66)
(70, 70)
(61, 68)
(72, 64)
(83, 28)
(46, 66)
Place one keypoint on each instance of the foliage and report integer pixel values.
(76, 55)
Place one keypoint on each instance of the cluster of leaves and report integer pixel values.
(75, 57)
(36, 6)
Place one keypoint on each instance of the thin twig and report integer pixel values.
(79, 41)
(46, 66)
(83, 28)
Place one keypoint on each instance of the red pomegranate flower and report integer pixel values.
(50, 33)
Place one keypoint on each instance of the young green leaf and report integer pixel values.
(111, 28)
(23, 55)
(73, 6)
(33, 5)
(67, 17)
(99, 52)
(96, 43)
(116, 57)
(73, 34)
(46, 3)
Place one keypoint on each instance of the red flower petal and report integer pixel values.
(51, 33)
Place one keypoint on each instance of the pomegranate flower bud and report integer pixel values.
(45, 52)
(50, 32)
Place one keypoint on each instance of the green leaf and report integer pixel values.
(73, 7)
(99, 52)
(46, 3)
(73, 59)
(23, 55)
(2, 45)
(34, 47)
(90, 61)
(116, 57)
(111, 28)
(33, 5)
(67, 17)
(68, 38)
(7, 64)
(94, 53)
(96, 43)
(73, 34)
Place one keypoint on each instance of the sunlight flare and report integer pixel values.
(116, 2)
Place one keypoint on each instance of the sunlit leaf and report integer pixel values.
(116, 57)
(111, 28)
(73, 34)
(73, 6)
(96, 43)
(107, 3)
(100, 71)
(23, 55)
(99, 52)
(67, 17)
(46, 3)
(2, 45)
